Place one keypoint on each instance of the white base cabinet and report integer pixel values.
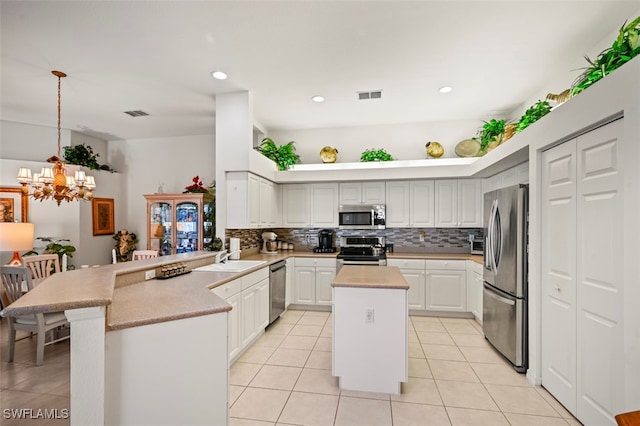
(249, 298)
(474, 289)
(413, 271)
(312, 280)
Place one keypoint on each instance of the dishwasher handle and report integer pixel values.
(278, 265)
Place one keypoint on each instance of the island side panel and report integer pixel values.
(168, 373)
(370, 356)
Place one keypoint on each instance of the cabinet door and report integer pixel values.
(470, 203)
(262, 305)
(254, 201)
(446, 290)
(265, 203)
(248, 316)
(274, 196)
(416, 293)
(446, 203)
(305, 285)
(324, 204)
(295, 205)
(398, 204)
(233, 319)
(350, 193)
(478, 286)
(324, 278)
(472, 294)
(422, 203)
(374, 193)
(289, 283)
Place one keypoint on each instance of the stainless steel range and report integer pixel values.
(361, 251)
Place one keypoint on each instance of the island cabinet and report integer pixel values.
(370, 329)
(179, 223)
(249, 299)
(413, 271)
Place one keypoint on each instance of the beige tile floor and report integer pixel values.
(456, 378)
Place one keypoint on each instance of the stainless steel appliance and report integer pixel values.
(361, 251)
(277, 289)
(504, 313)
(477, 244)
(362, 216)
(325, 242)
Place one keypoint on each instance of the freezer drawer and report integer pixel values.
(504, 322)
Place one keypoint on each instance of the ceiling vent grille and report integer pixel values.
(373, 94)
(136, 113)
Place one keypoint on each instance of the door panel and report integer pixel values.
(417, 288)
(558, 275)
(600, 281)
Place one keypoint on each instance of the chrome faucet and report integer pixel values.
(224, 255)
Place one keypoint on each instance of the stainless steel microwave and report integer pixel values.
(362, 216)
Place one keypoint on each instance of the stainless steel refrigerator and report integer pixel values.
(504, 312)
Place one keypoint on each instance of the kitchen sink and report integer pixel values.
(231, 266)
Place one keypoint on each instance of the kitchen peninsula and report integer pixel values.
(142, 352)
(370, 328)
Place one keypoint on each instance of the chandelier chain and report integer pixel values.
(59, 113)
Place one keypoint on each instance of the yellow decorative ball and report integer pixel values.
(434, 149)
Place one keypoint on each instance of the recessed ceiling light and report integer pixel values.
(219, 75)
(317, 99)
(445, 89)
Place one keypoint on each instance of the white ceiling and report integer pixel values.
(157, 56)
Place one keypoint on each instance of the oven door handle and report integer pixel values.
(359, 262)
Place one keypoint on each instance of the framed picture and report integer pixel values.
(103, 216)
(14, 205)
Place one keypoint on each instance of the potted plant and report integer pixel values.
(83, 155)
(283, 155)
(491, 134)
(625, 47)
(533, 114)
(54, 246)
(375, 155)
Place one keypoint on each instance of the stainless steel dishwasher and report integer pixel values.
(277, 289)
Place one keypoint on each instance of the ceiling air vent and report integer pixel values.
(136, 113)
(374, 94)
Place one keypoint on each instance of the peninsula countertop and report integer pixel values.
(359, 276)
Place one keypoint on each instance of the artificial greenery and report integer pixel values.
(55, 246)
(491, 131)
(624, 48)
(283, 155)
(375, 155)
(83, 155)
(533, 114)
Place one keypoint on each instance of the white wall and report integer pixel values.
(20, 141)
(403, 141)
(159, 164)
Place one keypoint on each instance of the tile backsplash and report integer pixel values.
(446, 240)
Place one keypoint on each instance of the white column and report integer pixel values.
(87, 365)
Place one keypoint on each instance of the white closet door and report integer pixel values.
(558, 259)
(600, 282)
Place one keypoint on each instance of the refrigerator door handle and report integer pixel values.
(496, 238)
(491, 293)
(489, 239)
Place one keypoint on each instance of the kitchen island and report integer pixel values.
(370, 328)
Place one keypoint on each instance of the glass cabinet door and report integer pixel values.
(160, 227)
(209, 231)
(187, 227)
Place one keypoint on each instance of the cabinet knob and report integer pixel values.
(557, 288)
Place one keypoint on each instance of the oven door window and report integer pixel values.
(355, 219)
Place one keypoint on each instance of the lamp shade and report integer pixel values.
(16, 236)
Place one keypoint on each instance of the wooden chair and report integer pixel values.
(143, 254)
(41, 266)
(13, 280)
(631, 418)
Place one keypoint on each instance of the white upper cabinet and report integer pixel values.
(324, 204)
(362, 193)
(252, 201)
(295, 205)
(422, 203)
(307, 205)
(458, 203)
(398, 204)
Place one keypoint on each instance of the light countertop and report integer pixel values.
(358, 276)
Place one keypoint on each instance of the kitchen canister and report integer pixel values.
(234, 248)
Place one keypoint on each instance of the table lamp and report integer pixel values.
(16, 236)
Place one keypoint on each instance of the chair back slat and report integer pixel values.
(144, 254)
(42, 266)
(13, 278)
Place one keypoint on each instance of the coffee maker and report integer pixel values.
(325, 242)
